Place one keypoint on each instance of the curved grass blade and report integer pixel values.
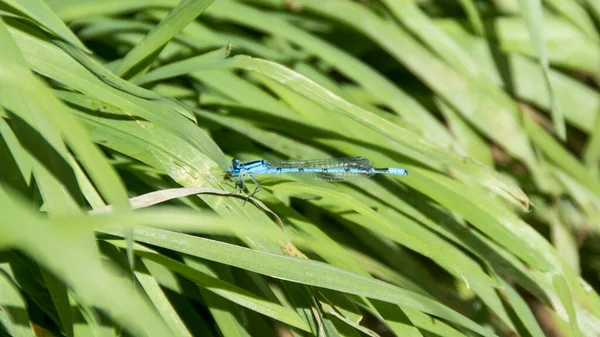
(473, 15)
(532, 11)
(118, 83)
(54, 111)
(143, 54)
(40, 12)
(207, 60)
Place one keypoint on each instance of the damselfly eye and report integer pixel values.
(235, 163)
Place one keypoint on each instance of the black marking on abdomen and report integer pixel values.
(300, 170)
(324, 170)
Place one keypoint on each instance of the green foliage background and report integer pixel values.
(110, 105)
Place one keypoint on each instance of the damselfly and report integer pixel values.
(332, 169)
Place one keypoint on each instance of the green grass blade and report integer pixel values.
(144, 53)
(523, 311)
(532, 12)
(41, 13)
(207, 60)
(474, 17)
(14, 311)
(563, 292)
(578, 16)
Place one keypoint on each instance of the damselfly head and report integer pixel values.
(235, 166)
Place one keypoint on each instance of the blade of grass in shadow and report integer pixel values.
(165, 306)
(523, 311)
(79, 268)
(22, 271)
(17, 167)
(594, 7)
(60, 298)
(585, 199)
(89, 191)
(160, 301)
(14, 314)
(532, 12)
(53, 110)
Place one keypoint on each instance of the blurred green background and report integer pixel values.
(118, 119)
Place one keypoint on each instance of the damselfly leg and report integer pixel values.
(241, 182)
(257, 189)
